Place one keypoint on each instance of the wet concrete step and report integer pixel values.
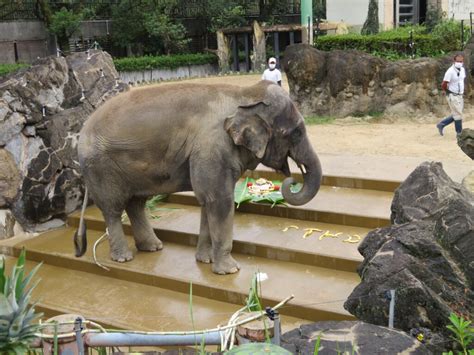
(255, 235)
(319, 292)
(333, 177)
(335, 205)
(120, 304)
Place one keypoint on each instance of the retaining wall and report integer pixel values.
(189, 71)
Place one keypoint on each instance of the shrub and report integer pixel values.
(10, 68)
(395, 44)
(425, 45)
(163, 62)
(448, 35)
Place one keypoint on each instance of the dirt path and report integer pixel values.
(357, 137)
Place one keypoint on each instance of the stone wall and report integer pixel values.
(341, 83)
(42, 110)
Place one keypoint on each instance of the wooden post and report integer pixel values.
(276, 46)
(292, 37)
(247, 51)
(235, 51)
(255, 331)
(259, 51)
(223, 51)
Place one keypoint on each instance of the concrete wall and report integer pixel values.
(32, 41)
(458, 9)
(354, 14)
(188, 71)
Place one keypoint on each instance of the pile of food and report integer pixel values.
(258, 191)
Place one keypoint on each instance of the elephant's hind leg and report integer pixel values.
(119, 250)
(145, 238)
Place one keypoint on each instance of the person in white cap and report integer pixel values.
(453, 86)
(272, 73)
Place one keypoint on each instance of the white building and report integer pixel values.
(354, 12)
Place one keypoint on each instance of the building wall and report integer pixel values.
(30, 38)
(353, 15)
(459, 9)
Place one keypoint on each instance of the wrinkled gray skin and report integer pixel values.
(166, 139)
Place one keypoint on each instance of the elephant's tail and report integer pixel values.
(80, 237)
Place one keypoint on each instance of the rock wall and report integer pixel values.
(42, 110)
(342, 83)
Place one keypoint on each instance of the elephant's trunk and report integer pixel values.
(308, 162)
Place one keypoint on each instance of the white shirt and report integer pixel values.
(272, 75)
(455, 79)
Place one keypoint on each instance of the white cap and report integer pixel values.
(272, 60)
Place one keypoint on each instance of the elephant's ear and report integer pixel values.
(249, 131)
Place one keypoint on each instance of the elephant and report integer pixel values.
(190, 137)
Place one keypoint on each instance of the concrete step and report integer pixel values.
(254, 235)
(319, 292)
(335, 205)
(120, 304)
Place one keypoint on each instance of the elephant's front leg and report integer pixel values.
(220, 216)
(204, 244)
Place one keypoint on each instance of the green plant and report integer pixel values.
(317, 345)
(17, 327)
(395, 44)
(463, 332)
(10, 68)
(163, 62)
(252, 303)
(447, 34)
(313, 120)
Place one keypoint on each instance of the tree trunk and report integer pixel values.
(371, 25)
(259, 57)
(223, 51)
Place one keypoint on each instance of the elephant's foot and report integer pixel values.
(150, 244)
(225, 265)
(121, 255)
(204, 255)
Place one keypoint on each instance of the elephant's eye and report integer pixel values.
(295, 135)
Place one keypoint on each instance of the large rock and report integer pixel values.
(350, 338)
(466, 142)
(42, 111)
(341, 83)
(426, 256)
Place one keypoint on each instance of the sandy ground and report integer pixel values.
(356, 136)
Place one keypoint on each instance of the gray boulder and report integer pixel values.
(466, 142)
(341, 83)
(426, 256)
(348, 337)
(42, 110)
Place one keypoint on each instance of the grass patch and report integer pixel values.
(314, 120)
(10, 68)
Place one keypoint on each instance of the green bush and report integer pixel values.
(425, 45)
(395, 44)
(448, 35)
(10, 68)
(163, 62)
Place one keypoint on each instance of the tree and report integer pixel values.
(63, 24)
(171, 35)
(371, 25)
(319, 9)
